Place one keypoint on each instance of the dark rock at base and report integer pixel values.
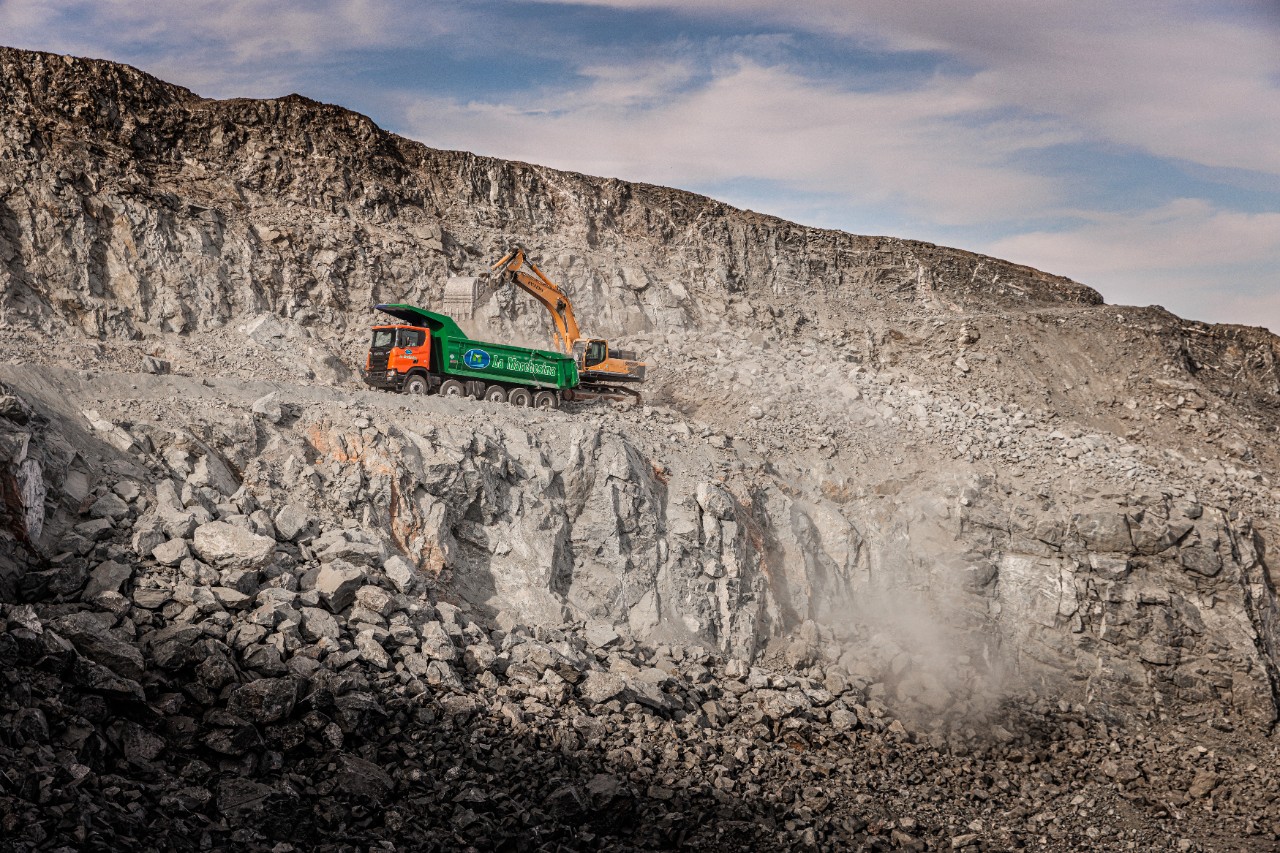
(265, 700)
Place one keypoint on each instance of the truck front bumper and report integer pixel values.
(387, 380)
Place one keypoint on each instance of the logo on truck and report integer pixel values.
(476, 359)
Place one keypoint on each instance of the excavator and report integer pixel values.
(604, 372)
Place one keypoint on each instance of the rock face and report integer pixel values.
(882, 499)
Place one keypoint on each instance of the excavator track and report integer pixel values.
(617, 393)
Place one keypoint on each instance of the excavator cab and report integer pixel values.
(596, 352)
(597, 364)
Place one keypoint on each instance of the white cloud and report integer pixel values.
(923, 149)
(1197, 260)
(1163, 76)
(242, 48)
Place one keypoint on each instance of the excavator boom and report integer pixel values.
(597, 365)
(541, 288)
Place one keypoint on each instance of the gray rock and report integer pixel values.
(265, 700)
(358, 553)
(843, 720)
(262, 524)
(294, 523)
(269, 407)
(241, 580)
(92, 638)
(440, 675)
(361, 778)
(151, 598)
(375, 599)
(230, 599)
(98, 529)
(151, 364)
(106, 577)
(337, 584)
(436, 642)
(110, 506)
(371, 650)
(715, 501)
(140, 746)
(230, 546)
(479, 658)
(402, 574)
(1104, 531)
(210, 470)
(601, 636)
(1201, 558)
(172, 647)
(319, 624)
(148, 532)
(600, 687)
(91, 675)
(171, 552)
(417, 664)
(128, 490)
(240, 798)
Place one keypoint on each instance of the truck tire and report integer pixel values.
(496, 394)
(452, 388)
(416, 384)
(520, 397)
(546, 400)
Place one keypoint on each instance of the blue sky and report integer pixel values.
(1134, 147)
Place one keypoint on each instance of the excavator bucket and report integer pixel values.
(461, 293)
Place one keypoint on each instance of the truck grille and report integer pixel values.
(378, 361)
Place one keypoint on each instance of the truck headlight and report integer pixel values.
(391, 374)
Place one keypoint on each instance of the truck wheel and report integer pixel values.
(416, 384)
(545, 400)
(452, 388)
(496, 394)
(520, 397)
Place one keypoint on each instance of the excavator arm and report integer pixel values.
(600, 368)
(541, 288)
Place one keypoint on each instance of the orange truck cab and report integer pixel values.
(394, 352)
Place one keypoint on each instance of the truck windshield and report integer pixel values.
(382, 338)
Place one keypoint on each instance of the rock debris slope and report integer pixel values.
(908, 548)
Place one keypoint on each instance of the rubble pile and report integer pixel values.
(251, 684)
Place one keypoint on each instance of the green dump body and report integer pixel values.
(455, 354)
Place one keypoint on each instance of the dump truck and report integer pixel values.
(427, 353)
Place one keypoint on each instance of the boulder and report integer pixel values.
(337, 583)
(110, 506)
(375, 599)
(600, 687)
(266, 700)
(319, 624)
(171, 552)
(269, 407)
(361, 778)
(294, 523)
(371, 650)
(230, 546)
(107, 577)
(402, 574)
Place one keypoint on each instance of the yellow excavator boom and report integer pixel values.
(598, 365)
(543, 289)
